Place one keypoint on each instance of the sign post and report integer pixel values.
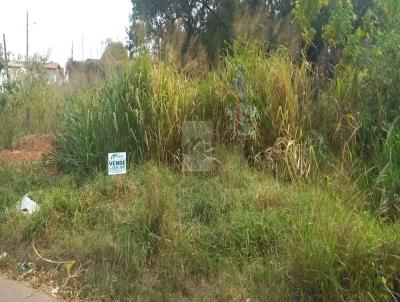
(117, 167)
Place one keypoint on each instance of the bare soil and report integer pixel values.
(29, 148)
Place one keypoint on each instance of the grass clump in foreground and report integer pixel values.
(229, 236)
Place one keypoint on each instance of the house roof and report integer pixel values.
(16, 64)
(52, 65)
(21, 64)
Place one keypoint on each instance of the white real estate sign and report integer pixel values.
(117, 163)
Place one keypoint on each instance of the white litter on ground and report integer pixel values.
(54, 291)
(27, 206)
(3, 255)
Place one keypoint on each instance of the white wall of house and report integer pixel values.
(17, 70)
(53, 76)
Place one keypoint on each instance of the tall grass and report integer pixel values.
(30, 106)
(281, 94)
(236, 235)
(386, 186)
(277, 109)
(139, 111)
(110, 118)
(255, 99)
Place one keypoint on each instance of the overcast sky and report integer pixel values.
(54, 24)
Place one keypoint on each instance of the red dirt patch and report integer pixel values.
(29, 149)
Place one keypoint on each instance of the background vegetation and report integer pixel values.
(30, 106)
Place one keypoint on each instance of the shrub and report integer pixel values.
(114, 117)
(30, 105)
(387, 182)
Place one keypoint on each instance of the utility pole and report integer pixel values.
(72, 51)
(27, 37)
(83, 53)
(5, 57)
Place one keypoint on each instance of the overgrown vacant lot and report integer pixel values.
(306, 209)
(301, 102)
(227, 236)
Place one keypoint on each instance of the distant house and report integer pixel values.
(54, 73)
(16, 70)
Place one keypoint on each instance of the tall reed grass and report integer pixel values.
(255, 99)
(29, 106)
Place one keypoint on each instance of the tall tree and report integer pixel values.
(327, 25)
(114, 52)
(274, 7)
(219, 29)
(210, 21)
(158, 18)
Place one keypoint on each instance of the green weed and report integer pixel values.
(233, 235)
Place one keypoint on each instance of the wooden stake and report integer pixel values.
(5, 58)
(117, 187)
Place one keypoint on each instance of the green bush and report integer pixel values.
(108, 119)
(256, 100)
(387, 181)
(30, 106)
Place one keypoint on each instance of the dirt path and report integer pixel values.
(13, 291)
